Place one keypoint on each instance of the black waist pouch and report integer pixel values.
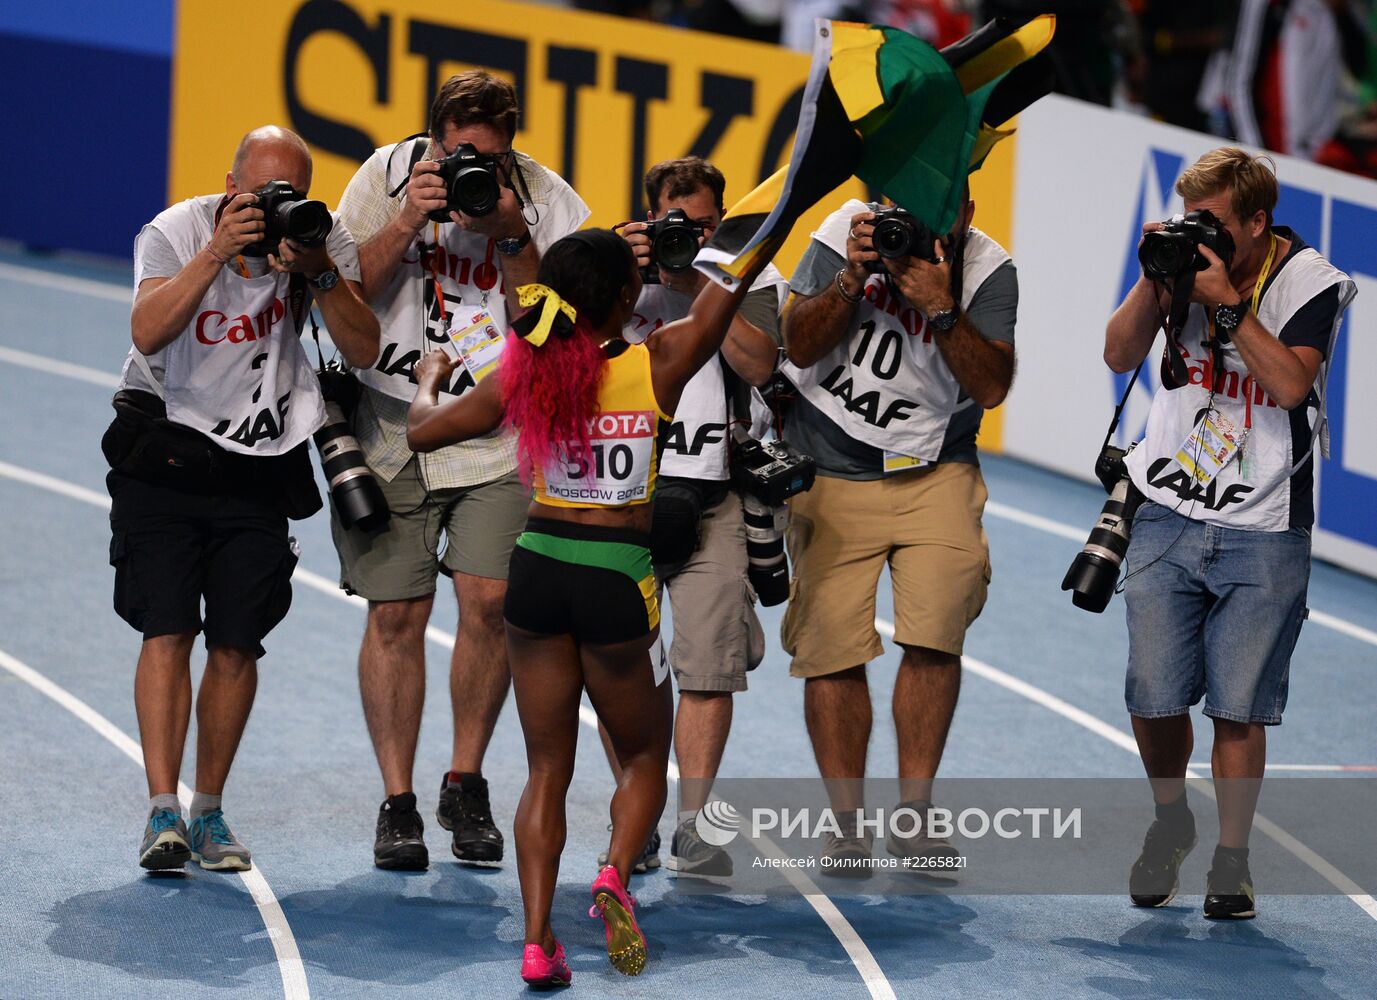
(143, 444)
(676, 524)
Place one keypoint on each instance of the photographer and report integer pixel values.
(699, 534)
(895, 359)
(1219, 557)
(208, 458)
(449, 224)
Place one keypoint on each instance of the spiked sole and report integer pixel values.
(625, 945)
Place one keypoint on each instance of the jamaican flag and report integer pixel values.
(890, 109)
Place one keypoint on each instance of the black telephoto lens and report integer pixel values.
(767, 568)
(676, 248)
(355, 493)
(1094, 572)
(474, 191)
(893, 237)
(305, 222)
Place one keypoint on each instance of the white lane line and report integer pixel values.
(67, 283)
(1125, 741)
(1036, 521)
(43, 363)
(861, 957)
(293, 973)
(1315, 767)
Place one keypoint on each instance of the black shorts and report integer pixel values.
(172, 549)
(588, 581)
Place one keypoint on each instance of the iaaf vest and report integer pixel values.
(696, 445)
(623, 433)
(466, 266)
(886, 383)
(1254, 493)
(237, 373)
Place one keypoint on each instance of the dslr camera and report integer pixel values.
(471, 179)
(287, 213)
(1094, 573)
(673, 244)
(767, 473)
(1174, 249)
(899, 234)
(353, 490)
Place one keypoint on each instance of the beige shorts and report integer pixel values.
(926, 525)
(717, 636)
(400, 561)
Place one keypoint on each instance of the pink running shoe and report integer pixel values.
(542, 971)
(625, 942)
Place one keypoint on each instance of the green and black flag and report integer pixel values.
(890, 109)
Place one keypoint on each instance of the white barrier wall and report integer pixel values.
(1087, 179)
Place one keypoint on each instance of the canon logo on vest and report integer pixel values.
(214, 327)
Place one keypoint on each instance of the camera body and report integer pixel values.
(771, 471)
(673, 244)
(1174, 249)
(899, 234)
(291, 215)
(355, 493)
(471, 179)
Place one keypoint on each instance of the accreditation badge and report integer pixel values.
(895, 462)
(1211, 445)
(479, 343)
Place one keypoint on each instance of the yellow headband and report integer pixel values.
(529, 295)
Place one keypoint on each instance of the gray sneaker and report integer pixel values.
(164, 846)
(214, 847)
(929, 855)
(690, 854)
(650, 856)
(847, 855)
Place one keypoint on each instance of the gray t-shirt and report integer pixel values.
(159, 260)
(993, 311)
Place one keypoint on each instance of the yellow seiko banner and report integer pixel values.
(602, 98)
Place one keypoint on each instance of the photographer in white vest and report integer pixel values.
(698, 534)
(209, 459)
(895, 359)
(450, 224)
(1219, 557)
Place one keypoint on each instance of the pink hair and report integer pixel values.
(550, 396)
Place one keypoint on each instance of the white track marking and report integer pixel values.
(1037, 521)
(39, 278)
(1125, 741)
(294, 986)
(43, 363)
(861, 957)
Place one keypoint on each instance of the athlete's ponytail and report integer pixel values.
(550, 392)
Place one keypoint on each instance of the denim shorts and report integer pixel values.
(1213, 612)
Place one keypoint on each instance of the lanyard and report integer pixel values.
(1257, 300)
(435, 277)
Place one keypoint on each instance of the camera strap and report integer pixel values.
(417, 151)
(1176, 321)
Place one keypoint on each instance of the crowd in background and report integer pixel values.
(1294, 76)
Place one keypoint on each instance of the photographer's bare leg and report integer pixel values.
(1165, 745)
(392, 681)
(1238, 760)
(222, 710)
(837, 710)
(925, 694)
(700, 737)
(479, 677)
(162, 701)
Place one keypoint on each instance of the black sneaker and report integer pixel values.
(464, 810)
(1229, 887)
(399, 845)
(923, 853)
(1156, 875)
(690, 854)
(650, 855)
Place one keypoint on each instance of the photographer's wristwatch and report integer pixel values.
(325, 280)
(513, 245)
(1227, 318)
(946, 319)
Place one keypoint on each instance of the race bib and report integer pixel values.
(479, 343)
(1209, 447)
(623, 446)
